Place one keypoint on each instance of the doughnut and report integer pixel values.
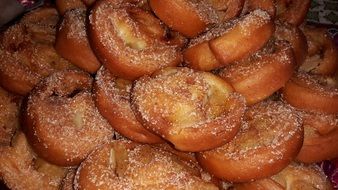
(9, 116)
(72, 41)
(296, 38)
(66, 5)
(182, 13)
(294, 176)
(61, 120)
(21, 169)
(270, 138)
(128, 165)
(266, 5)
(323, 53)
(37, 26)
(312, 93)
(21, 70)
(198, 54)
(112, 98)
(193, 110)
(320, 137)
(292, 11)
(129, 41)
(259, 78)
(40, 24)
(26, 51)
(253, 30)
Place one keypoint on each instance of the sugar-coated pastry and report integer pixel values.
(40, 24)
(128, 165)
(26, 51)
(253, 30)
(61, 120)
(20, 168)
(130, 41)
(269, 140)
(198, 15)
(72, 41)
(21, 70)
(296, 38)
(198, 54)
(322, 54)
(112, 98)
(312, 93)
(320, 137)
(259, 78)
(294, 177)
(193, 110)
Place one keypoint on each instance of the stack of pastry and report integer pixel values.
(167, 94)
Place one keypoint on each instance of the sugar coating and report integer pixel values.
(72, 126)
(126, 165)
(267, 124)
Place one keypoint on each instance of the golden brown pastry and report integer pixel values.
(269, 140)
(320, 137)
(26, 51)
(112, 98)
(323, 54)
(193, 110)
(21, 169)
(294, 177)
(128, 165)
(296, 38)
(130, 41)
(61, 120)
(72, 41)
(253, 30)
(193, 17)
(312, 93)
(258, 78)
